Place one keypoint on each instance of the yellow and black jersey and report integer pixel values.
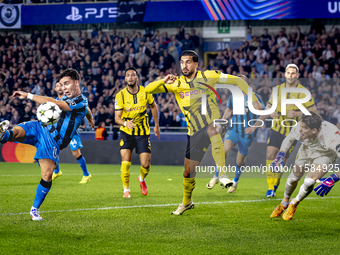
(133, 106)
(277, 121)
(189, 93)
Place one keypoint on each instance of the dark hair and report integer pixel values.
(190, 53)
(312, 121)
(131, 68)
(72, 73)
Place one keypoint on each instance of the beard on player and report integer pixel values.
(132, 83)
(187, 73)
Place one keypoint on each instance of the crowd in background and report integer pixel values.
(32, 64)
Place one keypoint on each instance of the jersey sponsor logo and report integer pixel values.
(182, 95)
(137, 108)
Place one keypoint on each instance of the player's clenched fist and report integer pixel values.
(170, 78)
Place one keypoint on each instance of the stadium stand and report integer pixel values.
(33, 63)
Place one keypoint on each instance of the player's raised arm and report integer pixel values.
(40, 99)
(160, 86)
(242, 84)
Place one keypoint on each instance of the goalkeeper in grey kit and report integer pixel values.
(320, 149)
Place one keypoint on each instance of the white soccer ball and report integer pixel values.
(48, 113)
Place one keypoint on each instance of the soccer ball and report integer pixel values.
(48, 113)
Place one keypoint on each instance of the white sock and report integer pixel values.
(140, 179)
(285, 204)
(305, 189)
(126, 190)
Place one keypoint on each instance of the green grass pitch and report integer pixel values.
(95, 219)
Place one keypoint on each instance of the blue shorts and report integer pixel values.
(243, 143)
(40, 138)
(75, 143)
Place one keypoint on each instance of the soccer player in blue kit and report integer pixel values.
(49, 140)
(236, 135)
(75, 144)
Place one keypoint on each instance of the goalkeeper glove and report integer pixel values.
(323, 188)
(278, 162)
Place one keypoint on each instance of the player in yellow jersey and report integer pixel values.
(131, 103)
(188, 90)
(278, 131)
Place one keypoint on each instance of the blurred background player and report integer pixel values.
(75, 144)
(278, 131)
(236, 135)
(320, 149)
(131, 104)
(201, 131)
(49, 140)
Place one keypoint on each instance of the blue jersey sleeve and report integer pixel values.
(77, 103)
(230, 102)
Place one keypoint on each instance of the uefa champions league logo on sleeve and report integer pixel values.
(9, 15)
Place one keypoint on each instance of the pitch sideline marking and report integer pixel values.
(163, 205)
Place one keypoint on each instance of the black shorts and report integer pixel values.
(130, 142)
(197, 144)
(275, 139)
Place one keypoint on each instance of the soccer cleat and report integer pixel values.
(289, 214)
(35, 214)
(127, 194)
(233, 188)
(55, 176)
(3, 128)
(278, 211)
(182, 208)
(212, 183)
(225, 182)
(143, 187)
(270, 193)
(86, 179)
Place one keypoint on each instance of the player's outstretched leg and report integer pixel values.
(43, 188)
(56, 173)
(238, 173)
(125, 176)
(305, 189)
(213, 180)
(86, 175)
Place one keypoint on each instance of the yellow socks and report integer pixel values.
(217, 151)
(188, 186)
(273, 179)
(270, 175)
(144, 172)
(125, 173)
